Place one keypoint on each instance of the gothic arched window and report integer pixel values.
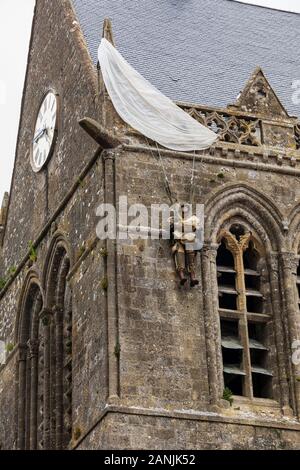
(30, 373)
(44, 370)
(58, 354)
(244, 315)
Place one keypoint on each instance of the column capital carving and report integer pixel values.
(210, 248)
(45, 316)
(289, 261)
(273, 261)
(108, 154)
(33, 347)
(56, 309)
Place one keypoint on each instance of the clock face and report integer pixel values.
(45, 132)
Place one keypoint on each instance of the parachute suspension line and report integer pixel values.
(192, 192)
(98, 78)
(167, 184)
(166, 181)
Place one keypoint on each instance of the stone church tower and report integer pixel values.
(104, 349)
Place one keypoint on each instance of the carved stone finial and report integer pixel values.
(3, 215)
(107, 31)
(3, 210)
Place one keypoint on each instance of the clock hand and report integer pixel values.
(47, 136)
(38, 136)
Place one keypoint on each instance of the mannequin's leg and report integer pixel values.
(180, 263)
(191, 258)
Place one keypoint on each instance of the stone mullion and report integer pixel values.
(16, 410)
(46, 321)
(33, 354)
(206, 257)
(53, 383)
(279, 333)
(111, 266)
(59, 347)
(67, 371)
(289, 264)
(33, 349)
(22, 352)
(41, 359)
(28, 398)
(212, 253)
(243, 321)
(58, 376)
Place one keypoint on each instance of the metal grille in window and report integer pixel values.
(298, 284)
(297, 136)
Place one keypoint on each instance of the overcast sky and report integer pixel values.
(15, 27)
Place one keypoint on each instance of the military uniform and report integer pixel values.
(185, 245)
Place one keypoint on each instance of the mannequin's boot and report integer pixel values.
(194, 281)
(182, 277)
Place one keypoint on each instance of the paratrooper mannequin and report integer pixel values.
(185, 230)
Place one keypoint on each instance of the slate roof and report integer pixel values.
(200, 51)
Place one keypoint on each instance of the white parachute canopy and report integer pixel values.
(146, 109)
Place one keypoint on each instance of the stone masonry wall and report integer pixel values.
(58, 59)
(128, 431)
(162, 333)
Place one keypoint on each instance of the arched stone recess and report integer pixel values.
(57, 322)
(290, 260)
(29, 373)
(294, 230)
(244, 206)
(251, 203)
(59, 241)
